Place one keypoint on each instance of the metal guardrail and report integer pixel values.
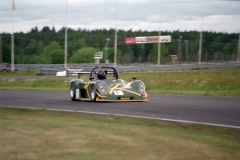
(51, 69)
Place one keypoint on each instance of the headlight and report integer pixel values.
(141, 88)
(102, 89)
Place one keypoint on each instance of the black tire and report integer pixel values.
(72, 92)
(93, 94)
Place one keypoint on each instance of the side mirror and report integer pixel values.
(134, 78)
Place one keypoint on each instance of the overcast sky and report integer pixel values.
(151, 15)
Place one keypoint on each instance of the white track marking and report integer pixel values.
(133, 116)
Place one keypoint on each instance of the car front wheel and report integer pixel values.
(72, 92)
(93, 93)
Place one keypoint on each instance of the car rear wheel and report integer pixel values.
(72, 92)
(93, 93)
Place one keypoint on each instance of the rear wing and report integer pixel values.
(70, 72)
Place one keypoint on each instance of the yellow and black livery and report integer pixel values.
(102, 88)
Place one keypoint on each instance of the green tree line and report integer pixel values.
(46, 46)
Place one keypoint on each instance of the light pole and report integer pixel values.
(12, 40)
(1, 49)
(65, 52)
(200, 39)
(106, 56)
(159, 48)
(238, 54)
(159, 35)
(186, 50)
(238, 57)
(180, 48)
(115, 41)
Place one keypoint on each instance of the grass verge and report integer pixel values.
(40, 134)
(221, 82)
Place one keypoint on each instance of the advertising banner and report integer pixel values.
(141, 39)
(152, 39)
(165, 39)
(149, 39)
(130, 40)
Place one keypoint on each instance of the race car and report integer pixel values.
(101, 86)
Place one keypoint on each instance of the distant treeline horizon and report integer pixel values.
(46, 45)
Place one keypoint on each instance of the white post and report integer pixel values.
(159, 36)
(1, 49)
(115, 49)
(12, 45)
(115, 41)
(238, 57)
(200, 39)
(159, 49)
(200, 49)
(106, 49)
(65, 52)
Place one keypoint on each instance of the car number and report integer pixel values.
(118, 92)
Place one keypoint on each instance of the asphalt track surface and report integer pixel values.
(210, 110)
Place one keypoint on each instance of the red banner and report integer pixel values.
(130, 40)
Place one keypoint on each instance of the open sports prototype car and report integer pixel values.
(101, 87)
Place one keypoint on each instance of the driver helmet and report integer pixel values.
(101, 74)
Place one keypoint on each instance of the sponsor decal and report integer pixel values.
(125, 98)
